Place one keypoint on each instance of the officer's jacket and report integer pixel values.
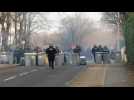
(51, 51)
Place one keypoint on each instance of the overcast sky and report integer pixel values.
(55, 18)
(102, 35)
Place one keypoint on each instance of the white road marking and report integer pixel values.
(104, 75)
(24, 73)
(21, 74)
(33, 70)
(10, 78)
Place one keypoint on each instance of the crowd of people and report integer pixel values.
(101, 50)
(52, 51)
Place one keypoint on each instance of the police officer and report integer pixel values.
(106, 54)
(94, 50)
(106, 50)
(51, 52)
(100, 49)
(37, 51)
(57, 49)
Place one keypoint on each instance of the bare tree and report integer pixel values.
(19, 26)
(75, 28)
(35, 23)
(5, 21)
(116, 18)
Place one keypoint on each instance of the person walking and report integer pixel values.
(37, 58)
(57, 49)
(51, 52)
(101, 50)
(94, 49)
(106, 57)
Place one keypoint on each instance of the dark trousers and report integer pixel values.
(65, 59)
(37, 60)
(102, 57)
(51, 61)
(17, 59)
(94, 58)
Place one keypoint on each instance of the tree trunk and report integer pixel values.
(3, 30)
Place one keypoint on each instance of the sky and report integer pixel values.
(55, 18)
(103, 35)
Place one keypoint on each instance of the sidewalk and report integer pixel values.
(91, 77)
(105, 75)
(3, 66)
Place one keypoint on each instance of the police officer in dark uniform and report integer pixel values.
(57, 49)
(106, 55)
(94, 50)
(100, 49)
(106, 50)
(51, 52)
(37, 51)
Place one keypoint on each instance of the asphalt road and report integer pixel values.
(105, 75)
(38, 76)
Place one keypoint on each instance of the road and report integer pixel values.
(93, 75)
(40, 76)
(105, 75)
